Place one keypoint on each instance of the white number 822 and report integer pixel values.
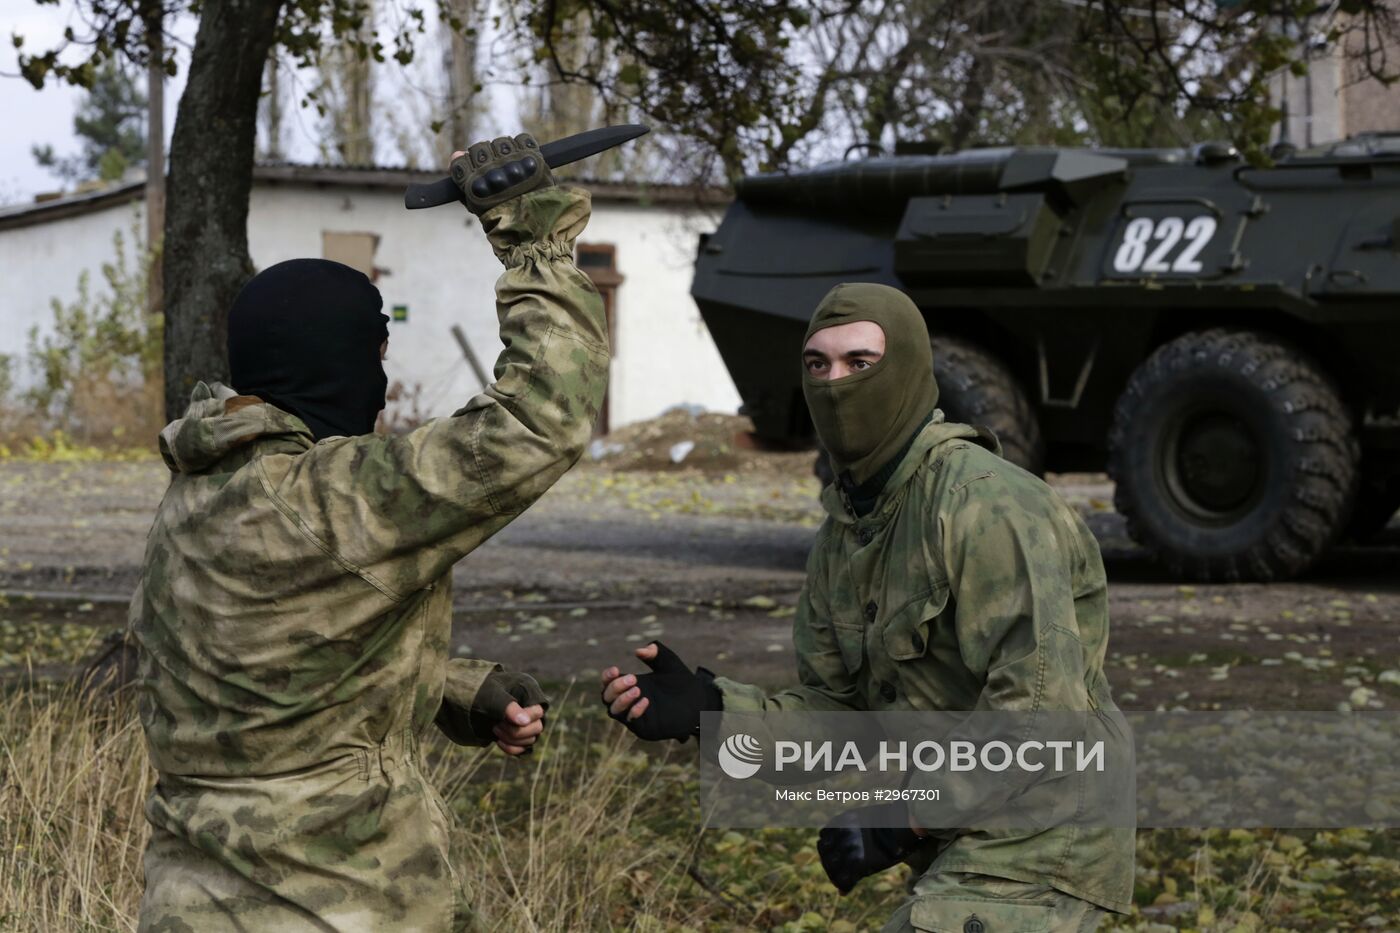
(1166, 232)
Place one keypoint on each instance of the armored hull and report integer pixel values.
(1222, 338)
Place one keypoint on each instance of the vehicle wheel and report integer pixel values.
(1234, 457)
(974, 387)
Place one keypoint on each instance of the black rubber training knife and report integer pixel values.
(560, 152)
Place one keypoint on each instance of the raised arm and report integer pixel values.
(400, 510)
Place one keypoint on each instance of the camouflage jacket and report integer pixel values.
(294, 612)
(970, 586)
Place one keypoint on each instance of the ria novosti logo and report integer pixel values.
(741, 756)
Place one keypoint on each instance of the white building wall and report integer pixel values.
(664, 354)
(438, 264)
(44, 261)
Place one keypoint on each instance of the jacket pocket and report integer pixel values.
(850, 638)
(906, 634)
(937, 914)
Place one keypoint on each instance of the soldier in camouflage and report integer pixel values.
(944, 578)
(294, 611)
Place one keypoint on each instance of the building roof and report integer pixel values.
(69, 205)
(348, 176)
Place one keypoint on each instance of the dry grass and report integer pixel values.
(568, 840)
(105, 411)
(596, 832)
(73, 782)
(104, 419)
(537, 841)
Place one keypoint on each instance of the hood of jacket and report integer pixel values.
(219, 422)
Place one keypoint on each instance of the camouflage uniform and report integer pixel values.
(970, 586)
(294, 618)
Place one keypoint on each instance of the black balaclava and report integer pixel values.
(304, 335)
(865, 420)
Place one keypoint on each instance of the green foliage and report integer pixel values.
(42, 643)
(103, 353)
(112, 166)
(111, 125)
(1201, 69)
(766, 84)
(341, 31)
(718, 72)
(744, 85)
(119, 31)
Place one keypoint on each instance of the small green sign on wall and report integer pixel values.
(400, 313)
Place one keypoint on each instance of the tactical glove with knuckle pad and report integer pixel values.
(491, 173)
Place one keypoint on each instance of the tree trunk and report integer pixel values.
(563, 109)
(357, 85)
(271, 114)
(461, 77)
(346, 90)
(211, 176)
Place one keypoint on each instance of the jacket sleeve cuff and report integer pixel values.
(464, 679)
(540, 225)
(740, 698)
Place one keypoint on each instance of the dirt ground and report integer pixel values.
(708, 554)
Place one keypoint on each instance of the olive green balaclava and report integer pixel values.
(866, 418)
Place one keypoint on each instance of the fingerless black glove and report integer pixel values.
(677, 697)
(861, 842)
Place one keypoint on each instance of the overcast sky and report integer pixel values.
(31, 117)
(45, 117)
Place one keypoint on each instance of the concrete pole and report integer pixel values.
(155, 152)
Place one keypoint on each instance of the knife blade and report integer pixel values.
(557, 153)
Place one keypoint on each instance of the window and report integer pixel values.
(355, 250)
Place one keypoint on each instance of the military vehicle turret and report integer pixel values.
(1223, 339)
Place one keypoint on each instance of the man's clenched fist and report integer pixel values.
(491, 173)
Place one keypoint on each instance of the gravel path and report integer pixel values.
(712, 564)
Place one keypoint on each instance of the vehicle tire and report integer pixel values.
(974, 387)
(1234, 457)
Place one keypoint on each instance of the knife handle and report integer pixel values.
(432, 194)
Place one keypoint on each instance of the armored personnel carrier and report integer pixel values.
(1223, 339)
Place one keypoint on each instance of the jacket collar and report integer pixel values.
(936, 432)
